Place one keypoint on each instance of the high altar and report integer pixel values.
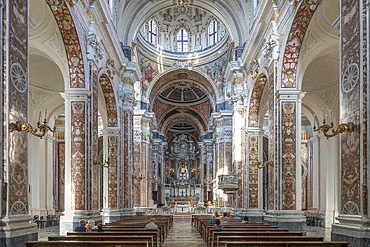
(182, 173)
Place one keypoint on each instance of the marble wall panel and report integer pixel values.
(255, 100)
(126, 153)
(17, 177)
(271, 135)
(253, 171)
(350, 103)
(112, 171)
(61, 177)
(294, 44)
(78, 144)
(110, 100)
(94, 82)
(72, 45)
(288, 148)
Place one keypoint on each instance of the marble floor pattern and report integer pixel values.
(183, 234)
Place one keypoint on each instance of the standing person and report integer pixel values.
(151, 224)
(81, 227)
(218, 225)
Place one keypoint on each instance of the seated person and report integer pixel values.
(81, 227)
(245, 219)
(225, 217)
(217, 214)
(213, 220)
(151, 224)
(218, 225)
(237, 217)
(100, 228)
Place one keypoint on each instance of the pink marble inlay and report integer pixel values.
(253, 172)
(255, 101)
(72, 45)
(78, 154)
(294, 44)
(288, 155)
(110, 100)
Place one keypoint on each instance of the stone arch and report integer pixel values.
(193, 75)
(110, 100)
(72, 45)
(294, 44)
(255, 100)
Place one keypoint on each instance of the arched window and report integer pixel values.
(182, 40)
(152, 32)
(212, 32)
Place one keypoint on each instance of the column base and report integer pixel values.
(115, 214)
(69, 221)
(255, 214)
(294, 220)
(16, 230)
(354, 229)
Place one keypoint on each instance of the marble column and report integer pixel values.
(126, 101)
(254, 175)
(287, 171)
(111, 211)
(223, 165)
(353, 220)
(15, 227)
(237, 102)
(143, 157)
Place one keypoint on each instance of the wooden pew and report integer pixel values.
(287, 244)
(87, 243)
(154, 233)
(212, 233)
(222, 240)
(135, 228)
(148, 238)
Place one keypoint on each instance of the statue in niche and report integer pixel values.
(183, 174)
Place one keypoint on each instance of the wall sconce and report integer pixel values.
(343, 127)
(42, 128)
(137, 176)
(104, 164)
(261, 165)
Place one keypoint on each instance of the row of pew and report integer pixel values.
(256, 234)
(128, 232)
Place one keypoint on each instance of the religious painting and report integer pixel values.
(216, 72)
(149, 70)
